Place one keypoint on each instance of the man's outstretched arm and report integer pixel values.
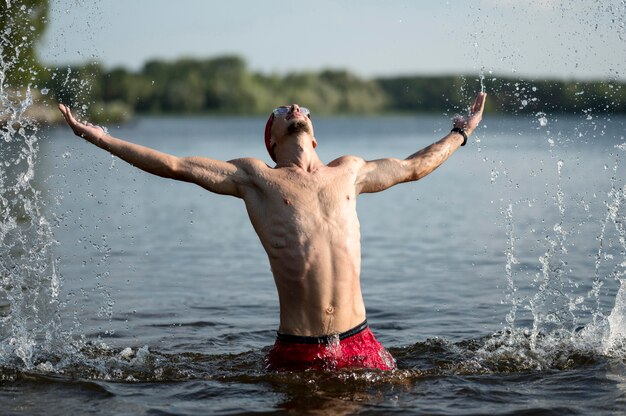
(378, 175)
(214, 175)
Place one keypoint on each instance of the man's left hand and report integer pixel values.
(474, 116)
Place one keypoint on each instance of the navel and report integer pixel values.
(286, 201)
(330, 310)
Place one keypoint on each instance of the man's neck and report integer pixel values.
(298, 153)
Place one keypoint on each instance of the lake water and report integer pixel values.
(495, 281)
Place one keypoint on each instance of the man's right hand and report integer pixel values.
(88, 131)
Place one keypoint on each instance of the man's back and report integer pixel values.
(308, 225)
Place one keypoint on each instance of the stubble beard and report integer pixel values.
(298, 126)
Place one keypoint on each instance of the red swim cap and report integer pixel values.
(268, 135)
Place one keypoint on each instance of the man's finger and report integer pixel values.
(62, 109)
(479, 103)
(66, 115)
(483, 99)
(73, 121)
(65, 110)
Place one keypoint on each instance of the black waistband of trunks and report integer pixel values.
(323, 339)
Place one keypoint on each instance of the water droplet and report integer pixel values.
(494, 175)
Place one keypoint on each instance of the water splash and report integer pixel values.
(29, 280)
(481, 77)
(565, 332)
(615, 338)
(565, 322)
(511, 260)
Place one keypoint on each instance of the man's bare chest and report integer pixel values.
(309, 191)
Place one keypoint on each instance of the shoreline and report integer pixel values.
(46, 113)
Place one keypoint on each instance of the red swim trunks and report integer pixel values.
(356, 348)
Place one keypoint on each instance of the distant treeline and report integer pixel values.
(224, 85)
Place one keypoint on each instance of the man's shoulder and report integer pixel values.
(347, 160)
(250, 163)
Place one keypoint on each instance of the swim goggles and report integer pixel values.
(279, 111)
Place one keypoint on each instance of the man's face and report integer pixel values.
(289, 120)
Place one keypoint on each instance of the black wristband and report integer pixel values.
(462, 133)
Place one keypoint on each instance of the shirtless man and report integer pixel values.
(304, 213)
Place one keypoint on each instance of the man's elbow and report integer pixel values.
(176, 168)
(424, 167)
(418, 174)
(412, 172)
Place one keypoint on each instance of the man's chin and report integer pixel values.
(298, 126)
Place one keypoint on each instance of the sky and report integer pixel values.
(583, 39)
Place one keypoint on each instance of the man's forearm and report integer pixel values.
(142, 157)
(431, 157)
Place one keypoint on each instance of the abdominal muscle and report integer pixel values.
(313, 244)
(318, 288)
